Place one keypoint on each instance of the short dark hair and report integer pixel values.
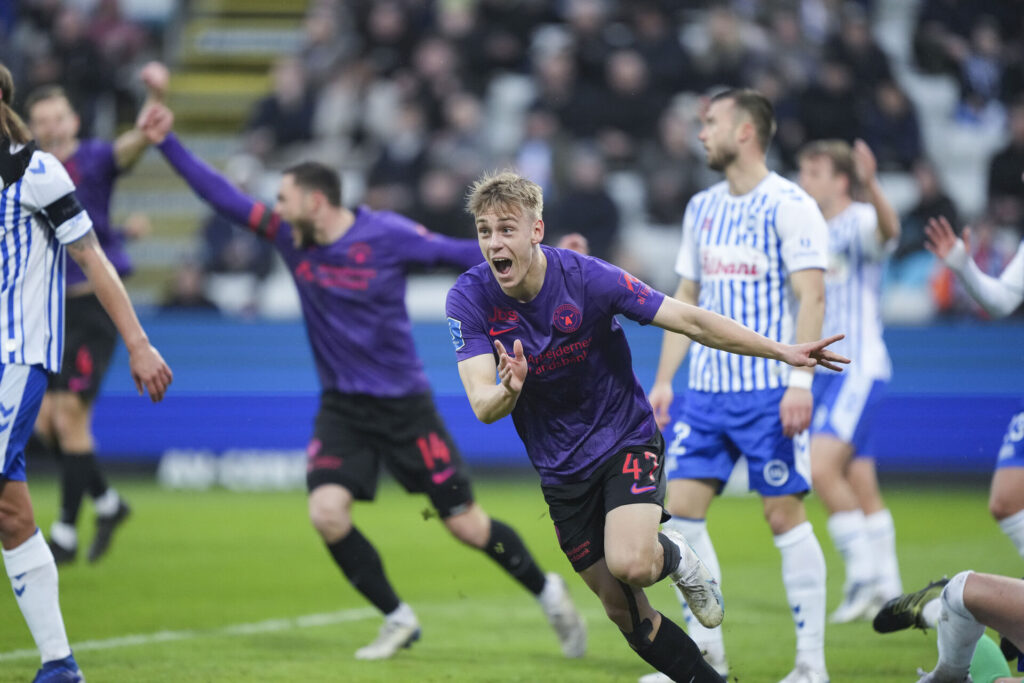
(757, 107)
(42, 93)
(314, 176)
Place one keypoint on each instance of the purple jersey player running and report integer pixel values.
(65, 417)
(584, 418)
(350, 268)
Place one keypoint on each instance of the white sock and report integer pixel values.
(33, 575)
(803, 575)
(64, 535)
(106, 505)
(882, 536)
(1013, 526)
(695, 531)
(403, 614)
(849, 534)
(930, 613)
(958, 630)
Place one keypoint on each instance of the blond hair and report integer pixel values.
(838, 152)
(11, 126)
(505, 191)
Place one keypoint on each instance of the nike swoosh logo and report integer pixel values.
(642, 489)
(442, 476)
(19, 591)
(39, 168)
(495, 333)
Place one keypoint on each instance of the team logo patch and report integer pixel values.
(776, 472)
(359, 253)
(455, 327)
(567, 318)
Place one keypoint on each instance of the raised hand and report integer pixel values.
(512, 369)
(155, 77)
(814, 353)
(942, 239)
(149, 371)
(155, 121)
(864, 163)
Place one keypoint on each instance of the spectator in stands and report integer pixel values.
(855, 47)
(890, 128)
(932, 202)
(657, 41)
(285, 116)
(1005, 191)
(462, 144)
(187, 290)
(672, 168)
(586, 207)
(76, 63)
(542, 152)
(439, 205)
(630, 108)
(587, 22)
(828, 106)
(576, 104)
(401, 162)
(728, 57)
(326, 48)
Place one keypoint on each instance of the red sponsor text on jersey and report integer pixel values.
(337, 277)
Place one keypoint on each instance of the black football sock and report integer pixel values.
(361, 564)
(672, 556)
(674, 654)
(506, 548)
(75, 472)
(97, 485)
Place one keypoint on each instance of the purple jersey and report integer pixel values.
(352, 291)
(581, 401)
(93, 170)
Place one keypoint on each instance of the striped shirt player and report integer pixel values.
(741, 250)
(845, 404)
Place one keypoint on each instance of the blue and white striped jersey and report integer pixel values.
(38, 216)
(741, 249)
(853, 290)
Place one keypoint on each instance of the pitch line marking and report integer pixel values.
(266, 626)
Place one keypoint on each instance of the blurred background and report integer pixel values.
(595, 100)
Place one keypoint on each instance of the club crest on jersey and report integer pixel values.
(359, 253)
(567, 318)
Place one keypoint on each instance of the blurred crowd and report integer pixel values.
(598, 101)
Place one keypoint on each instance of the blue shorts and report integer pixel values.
(716, 428)
(1011, 453)
(845, 406)
(21, 392)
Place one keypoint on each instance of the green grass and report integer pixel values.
(198, 562)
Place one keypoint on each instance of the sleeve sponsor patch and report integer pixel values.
(455, 328)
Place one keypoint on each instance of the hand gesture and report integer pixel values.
(942, 239)
(575, 242)
(864, 163)
(155, 122)
(814, 353)
(155, 77)
(512, 370)
(149, 371)
(660, 397)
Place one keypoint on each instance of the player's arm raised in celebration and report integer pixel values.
(866, 167)
(719, 332)
(131, 145)
(148, 369)
(1000, 297)
(673, 351)
(491, 401)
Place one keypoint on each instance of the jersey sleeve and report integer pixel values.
(419, 246)
(466, 325)
(217, 191)
(49, 191)
(688, 259)
(804, 234)
(617, 291)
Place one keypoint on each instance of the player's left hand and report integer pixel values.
(811, 354)
(150, 371)
(512, 369)
(864, 162)
(795, 410)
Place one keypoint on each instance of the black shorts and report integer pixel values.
(90, 338)
(354, 433)
(633, 475)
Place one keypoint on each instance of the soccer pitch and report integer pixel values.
(221, 586)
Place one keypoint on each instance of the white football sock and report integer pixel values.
(930, 613)
(958, 630)
(803, 575)
(64, 535)
(403, 614)
(695, 531)
(33, 575)
(1013, 526)
(882, 536)
(107, 504)
(849, 534)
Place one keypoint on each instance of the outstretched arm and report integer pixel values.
(1000, 297)
(491, 401)
(131, 145)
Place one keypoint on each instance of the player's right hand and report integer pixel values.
(941, 238)
(512, 370)
(149, 372)
(660, 397)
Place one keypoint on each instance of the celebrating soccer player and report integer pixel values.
(40, 218)
(861, 235)
(65, 417)
(350, 268)
(755, 248)
(543, 320)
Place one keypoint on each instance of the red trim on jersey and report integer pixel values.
(273, 225)
(256, 216)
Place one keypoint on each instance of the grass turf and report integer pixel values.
(189, 566)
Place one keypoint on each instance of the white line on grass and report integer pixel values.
(267, 626)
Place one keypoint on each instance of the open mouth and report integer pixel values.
(502, 265)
